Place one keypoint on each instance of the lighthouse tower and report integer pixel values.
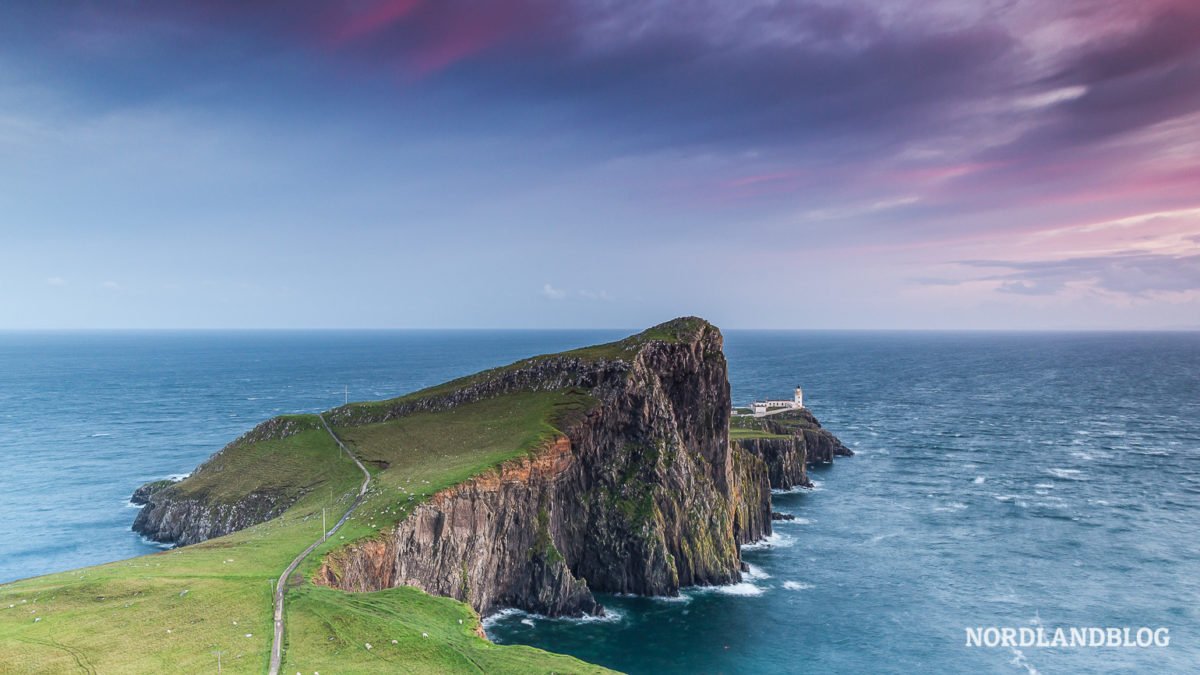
(799, 397)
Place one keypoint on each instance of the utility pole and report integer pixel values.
(347, 394)
(324, 529)
(218, 653)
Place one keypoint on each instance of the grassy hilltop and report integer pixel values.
(174, 611)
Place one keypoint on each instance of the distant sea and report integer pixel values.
(1002, 479)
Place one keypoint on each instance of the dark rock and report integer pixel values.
(171, 517)
(775, 515)
(142, 495)
(812, 445)
(644, 494)
(178, 513)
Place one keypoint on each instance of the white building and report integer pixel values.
(770, 406)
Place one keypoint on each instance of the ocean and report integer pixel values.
(1002, 480)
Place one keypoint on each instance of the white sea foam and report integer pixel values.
(491, 619)
(1044, 486)
(796, 585)
(794, 490)
(744, 589)
(979, 480)
(178, 476)
(529, 618)
(1020, 661)
(100, 434)
(166, 546)
(1066, 474)
(794, 521)
(773, 540)
(682, 597)
(754, 573)
(952, 506)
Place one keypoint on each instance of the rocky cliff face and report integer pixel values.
(797, 441)
(784, 458)
(189, 520)
(179, 513)
(643, 495)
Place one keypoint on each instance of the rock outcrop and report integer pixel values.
(142, 495)
(785, 459)
(791, 441)
(643, 494)
(171, 518)
(189, 511)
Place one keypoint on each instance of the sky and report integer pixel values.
(911, 164)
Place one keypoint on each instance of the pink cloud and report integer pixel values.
(379, 16)
(459, 42)
(745, 181)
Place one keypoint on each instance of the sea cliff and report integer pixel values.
(788, 442)
(639, 490)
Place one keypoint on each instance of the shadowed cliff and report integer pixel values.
(603, 469)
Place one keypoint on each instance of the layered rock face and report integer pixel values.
(805, 442)
(785, 459)
(184, 520)
(643, 495)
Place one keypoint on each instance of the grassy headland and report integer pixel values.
(173, 611)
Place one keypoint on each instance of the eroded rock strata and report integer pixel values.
(644, 493)
(792, 441)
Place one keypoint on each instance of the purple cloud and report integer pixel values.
(1130, 273)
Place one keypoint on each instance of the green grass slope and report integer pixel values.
(744, 426)
(172, 611)
(175, 611)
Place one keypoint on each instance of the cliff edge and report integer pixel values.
(603, 469)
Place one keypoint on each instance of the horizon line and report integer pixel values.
(466, 329)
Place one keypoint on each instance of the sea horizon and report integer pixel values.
(939, 470)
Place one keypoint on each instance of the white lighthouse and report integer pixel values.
(772, 406)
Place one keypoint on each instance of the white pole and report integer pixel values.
(324, 530)
(347, 394)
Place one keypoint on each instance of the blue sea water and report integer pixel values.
(1002, 479)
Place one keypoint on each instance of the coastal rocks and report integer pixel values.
(786, 459)
(643, 494)
(775, 515)
(171, 518)
(486, 542)
(181, 513)
(821, 446)
(796, 440)
(142, 495)
(752, 498)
